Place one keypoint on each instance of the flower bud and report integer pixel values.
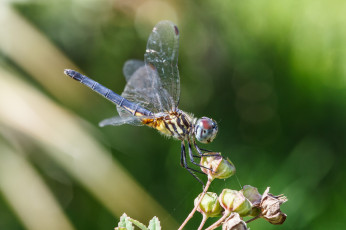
(220, 167)
(270, 208)
(234, 201)
(234, 222)
(252, 194)
(209, 205)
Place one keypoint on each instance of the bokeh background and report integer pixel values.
(271, 73)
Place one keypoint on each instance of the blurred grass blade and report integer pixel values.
(72, 146)
(35, 54)
(27, 193)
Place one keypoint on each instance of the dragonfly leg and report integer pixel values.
(202, 154)
(184, 164)
(199, 150)
(192, 160)
(183, 161)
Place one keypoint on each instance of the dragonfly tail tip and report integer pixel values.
(69, 72)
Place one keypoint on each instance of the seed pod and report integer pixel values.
(252, 194)
(234, 222)
(220, 168)
(209, 205)
(234, 201)
(270, 208)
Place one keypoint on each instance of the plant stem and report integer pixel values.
(219, 222)
(197, 204)
(256, 217)
(203, 222)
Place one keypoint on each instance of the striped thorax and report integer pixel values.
(174, 124)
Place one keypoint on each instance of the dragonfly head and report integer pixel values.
(205, 130)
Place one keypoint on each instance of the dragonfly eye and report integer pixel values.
(205, 130)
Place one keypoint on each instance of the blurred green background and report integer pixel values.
(271, 73)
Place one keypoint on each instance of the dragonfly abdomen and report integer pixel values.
(131, 107)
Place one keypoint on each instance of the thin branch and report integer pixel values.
(197, 204)
(255, 218)
(219, 222)
(203, 222)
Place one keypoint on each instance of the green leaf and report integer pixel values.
(138, 224)
(125, 222)
(154, 224)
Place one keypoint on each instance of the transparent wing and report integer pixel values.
(145, 89)
(155, 86)
(130, 67)
(132, 120)
(162, 55)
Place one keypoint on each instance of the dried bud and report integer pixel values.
(220, 167)
(270, 207)
(234, 201)
(234, 222)
(209, 205)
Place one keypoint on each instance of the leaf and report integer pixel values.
(154, 224)
(138, 224)
(125, 222)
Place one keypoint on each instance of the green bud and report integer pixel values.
(221, 168)
(242, 206)
(226, 198)
(234, 201)
(209, 205)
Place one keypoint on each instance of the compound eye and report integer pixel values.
(205, 130)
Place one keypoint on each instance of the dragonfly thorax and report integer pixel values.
(176, 124)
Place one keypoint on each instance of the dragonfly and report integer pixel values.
(151, 95)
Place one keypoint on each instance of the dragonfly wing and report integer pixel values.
(116, 121)
(162, 55)
(130, 67)
(144, 88)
